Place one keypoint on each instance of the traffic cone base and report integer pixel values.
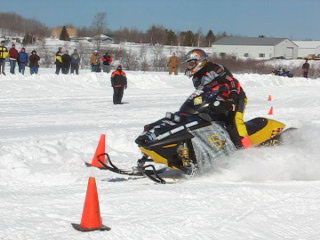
(270, 111)
(100, 154)
(91, 219)
(79, 228)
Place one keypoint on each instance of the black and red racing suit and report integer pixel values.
(214, 77)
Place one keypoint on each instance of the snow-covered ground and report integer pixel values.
(50, 126)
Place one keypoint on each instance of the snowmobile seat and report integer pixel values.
(256, 124)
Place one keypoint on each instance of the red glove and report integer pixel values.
(246, 142)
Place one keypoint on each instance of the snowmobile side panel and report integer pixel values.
(269, 131)
(157, 158)
(210, 143)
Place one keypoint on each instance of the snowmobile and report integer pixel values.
(282, 72)
(192, 139)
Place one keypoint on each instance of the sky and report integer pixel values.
(295, 19)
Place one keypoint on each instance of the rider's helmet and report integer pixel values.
(195, 60)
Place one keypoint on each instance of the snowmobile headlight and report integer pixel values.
(176, 118)
(169, 115)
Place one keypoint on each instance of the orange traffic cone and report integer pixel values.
(270, 98)
(91, 219)
(270, 111)
(99, 154)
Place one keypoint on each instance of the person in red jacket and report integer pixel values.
(119, 83)
(106, 62)
(13, 58)
(212, 78)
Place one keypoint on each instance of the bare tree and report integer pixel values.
(46, 56)
(99, 25)
(15, 24)
(159, 60)
(143, 58)
(157, 35)
(130, 60)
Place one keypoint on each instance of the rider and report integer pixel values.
(211, 77)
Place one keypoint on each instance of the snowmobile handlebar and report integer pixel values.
(204, 102)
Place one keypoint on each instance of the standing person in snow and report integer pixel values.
(34, 62)
(106, 62)
(305, 69)
(119, 83)
(58, 60)
(66, 61)
(173, 64)
(95, 61)
(13, 58)
(213, 78)
(22, 60)
(75, 62)
(3, 55)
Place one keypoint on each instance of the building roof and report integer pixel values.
(251, 41)
(307, 44)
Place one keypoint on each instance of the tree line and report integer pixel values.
(12, 24)
(156, 34)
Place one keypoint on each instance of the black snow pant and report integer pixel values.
(75, 68)
(58, 68)
(2, 66)
(117, 95)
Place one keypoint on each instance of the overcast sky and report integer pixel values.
(296, 19)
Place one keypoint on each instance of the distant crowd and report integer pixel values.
(21, 58)
(64, 62)
(70, 63)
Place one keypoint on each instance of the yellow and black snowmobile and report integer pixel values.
(192, 139)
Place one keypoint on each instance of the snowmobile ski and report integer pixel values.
(141, 170)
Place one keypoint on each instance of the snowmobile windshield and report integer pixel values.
(194, 104)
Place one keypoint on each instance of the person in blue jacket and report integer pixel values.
(22, 60)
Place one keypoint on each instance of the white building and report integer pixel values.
(255, 47)
(308, 48)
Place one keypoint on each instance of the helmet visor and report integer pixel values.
(191, 64)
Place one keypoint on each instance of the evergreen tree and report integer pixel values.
(210, 38)
(171, 38)
(64, 36)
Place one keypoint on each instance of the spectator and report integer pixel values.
(106, 62)
(173, 64)
(13, 57)
(58, 60)
(34, 62)
(95, 62)
(305, 69)
(66, 61)
(119, 83)
(3, 55)
(22, 60)
(75, 62)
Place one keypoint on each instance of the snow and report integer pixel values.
(50, 126)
